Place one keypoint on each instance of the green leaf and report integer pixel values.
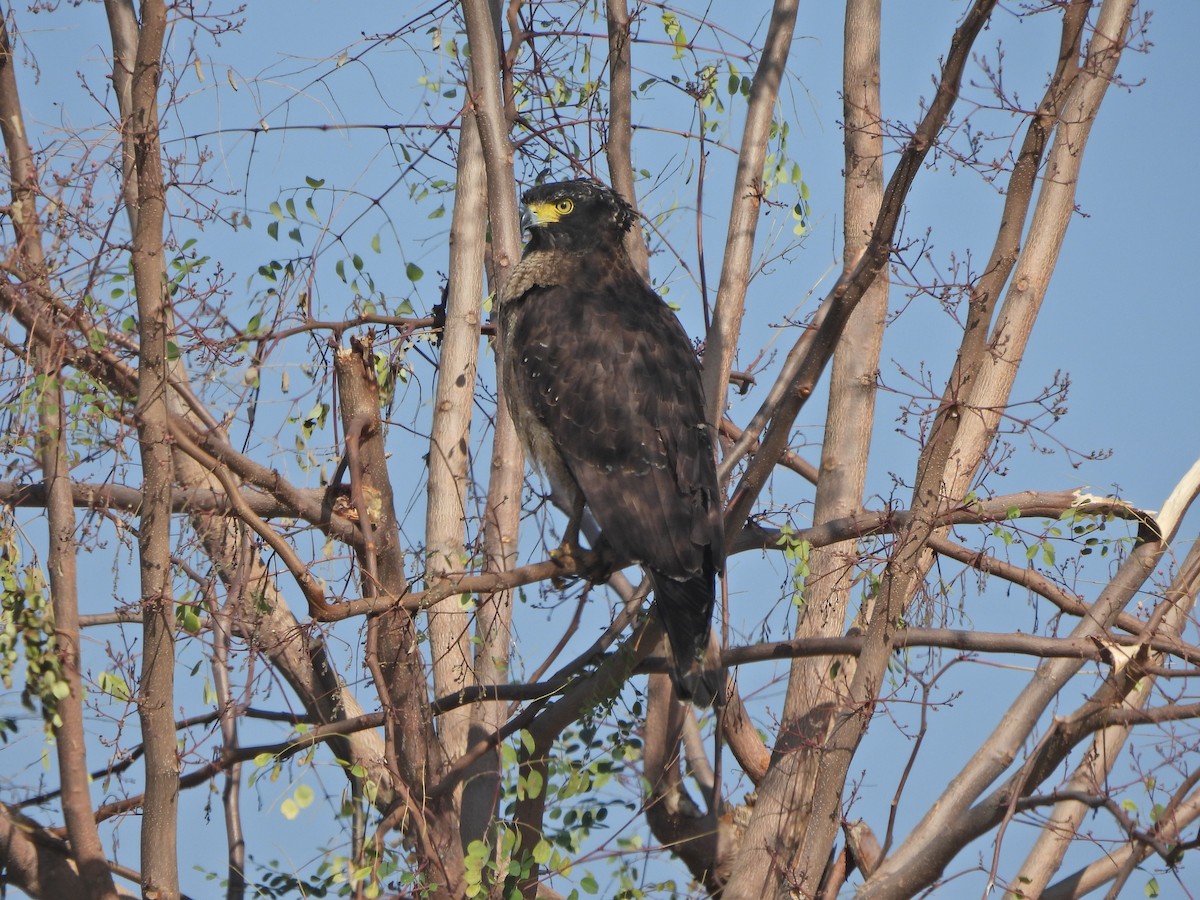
(314, 182)
(276, 210)
(414, 272)
(375, 244)
(1152, 887)
(289, 809)
(588, 885)
(114, 685)
(190, 620)
(304, 796)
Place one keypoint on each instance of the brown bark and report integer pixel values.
(70, 747)
(723, 334)
(393, 651)
(160, 873)
(618, 149)
(788, 840)
(815, 687)
(455, 665)
(947, 471)
(491, 106)
(34, 861)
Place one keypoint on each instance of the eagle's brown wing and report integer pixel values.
(607, 370)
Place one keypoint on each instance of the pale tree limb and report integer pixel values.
(1090, 775)
(160, 870)
(618, 149)
(816, 685)
(774, 859)
(450, 432)
(257, 610)
(1110, 865)
(51, 444)
(810, 354)
(268, 626)
(445, 524)
(921, 857)
(948, 466)
(1006, 249)
(722, 339)
(222, 633)
(490, 109)
(949, 476)
(813, 691)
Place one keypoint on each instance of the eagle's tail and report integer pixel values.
(685, 609)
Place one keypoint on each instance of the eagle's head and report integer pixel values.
(575, 215)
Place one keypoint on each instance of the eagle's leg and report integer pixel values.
(596, 565)
(569, 552)
(570, 541)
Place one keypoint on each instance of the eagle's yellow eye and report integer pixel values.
(564, 206)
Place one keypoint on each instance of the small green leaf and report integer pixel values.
(414, 272)
(375, 244)
(1152, 887)
(276, 210)
(304, 796)
(289, 809)
(314, 182)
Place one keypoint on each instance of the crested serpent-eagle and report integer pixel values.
(604, 388)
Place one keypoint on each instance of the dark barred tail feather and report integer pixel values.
(685, 610)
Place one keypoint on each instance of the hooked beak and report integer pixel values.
(528, 219)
